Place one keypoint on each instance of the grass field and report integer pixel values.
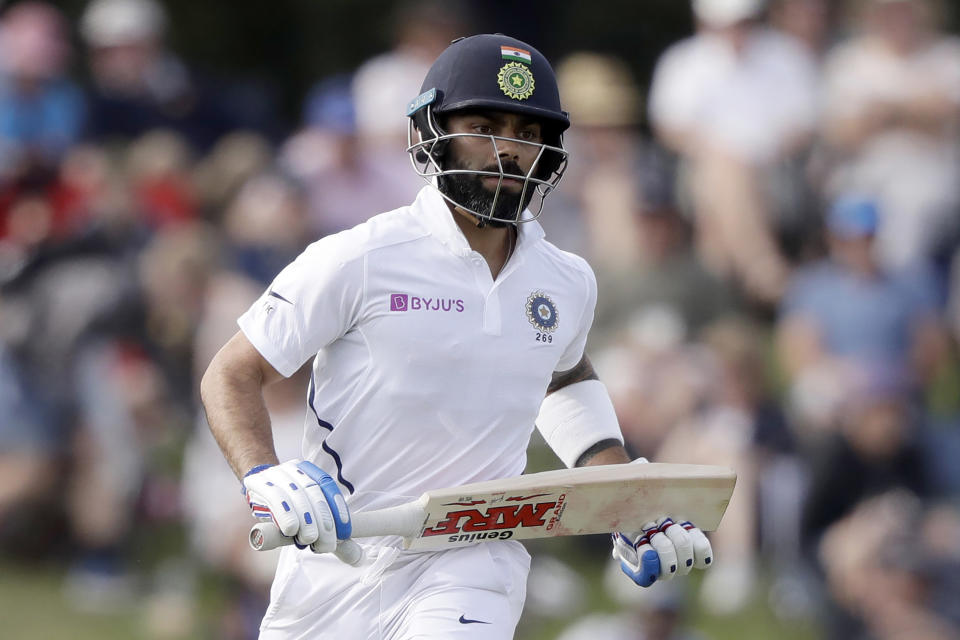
(33, 607)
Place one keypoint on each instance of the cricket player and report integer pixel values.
(441, 333)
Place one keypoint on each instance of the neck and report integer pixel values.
(495, 244)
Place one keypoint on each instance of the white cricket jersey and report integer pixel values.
(428, 373)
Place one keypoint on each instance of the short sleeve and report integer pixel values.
(574, 351)
(311, 303)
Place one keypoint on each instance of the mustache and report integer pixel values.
(508, 167)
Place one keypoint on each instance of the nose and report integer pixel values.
(508, 149)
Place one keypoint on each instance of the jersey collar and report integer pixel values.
(432, 211)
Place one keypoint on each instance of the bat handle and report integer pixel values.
(265, 536)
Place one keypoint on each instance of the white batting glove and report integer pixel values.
(303, 501)
(662, 550)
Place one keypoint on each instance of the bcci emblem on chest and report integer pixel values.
(541, 312)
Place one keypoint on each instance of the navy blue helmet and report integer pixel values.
(498, 73)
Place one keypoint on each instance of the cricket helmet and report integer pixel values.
(489, 72)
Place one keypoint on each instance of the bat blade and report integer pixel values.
(585, 500)
(580, 501)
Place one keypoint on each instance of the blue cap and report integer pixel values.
(330, 106)
(853, 217)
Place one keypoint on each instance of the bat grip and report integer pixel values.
(265, 536)
(403, 520)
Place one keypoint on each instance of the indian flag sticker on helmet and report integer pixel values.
(515, 54)
(516, 81)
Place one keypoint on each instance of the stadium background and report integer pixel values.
(102, 433)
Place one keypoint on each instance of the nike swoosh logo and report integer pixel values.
(278, 296)
(466, 621)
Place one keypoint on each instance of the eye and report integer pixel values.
(529, 134)
(483, 129)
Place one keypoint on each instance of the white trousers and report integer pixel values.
(474, 593)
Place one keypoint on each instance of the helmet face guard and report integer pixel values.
(489, 72)
(429, 154)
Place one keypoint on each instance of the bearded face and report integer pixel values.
(478, 192)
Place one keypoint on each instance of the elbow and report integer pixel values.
(216, 380)
(208, 384)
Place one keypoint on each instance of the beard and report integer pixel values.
(467, 191)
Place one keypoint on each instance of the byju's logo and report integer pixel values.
(399, 302)
(404, 302)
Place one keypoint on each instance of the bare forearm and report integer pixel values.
(237, 415)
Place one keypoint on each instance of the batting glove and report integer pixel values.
(662, 550)
(303, 501)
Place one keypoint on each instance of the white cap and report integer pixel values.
(115, 22)
(723, 13)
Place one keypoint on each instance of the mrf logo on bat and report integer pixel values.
(475, 522)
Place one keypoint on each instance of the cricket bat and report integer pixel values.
(565, 502)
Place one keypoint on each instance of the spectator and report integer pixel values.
(265, 226)
(132, 391)
(601, 195)
(733, 414)
(29, 453)
(737, 101)
(888, 567)
(233, 160)
(876, 447)
(139, 85)
(158, 165)
(41, 111)
(809, 21)
(847, 311)
(668, 272)
(382, 86)
(892, 120)
(657, 378)
(343, 178)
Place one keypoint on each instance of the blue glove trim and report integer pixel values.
(256, 469)
(331, 492)
(649, 569)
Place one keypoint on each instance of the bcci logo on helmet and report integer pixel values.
(541, 312)
(516, 81)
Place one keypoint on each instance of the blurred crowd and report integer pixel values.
(774, 222)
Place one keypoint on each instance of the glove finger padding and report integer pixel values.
(308, 509)
(664, 548)
(326, 539)
(702, 549)
(682, 544)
